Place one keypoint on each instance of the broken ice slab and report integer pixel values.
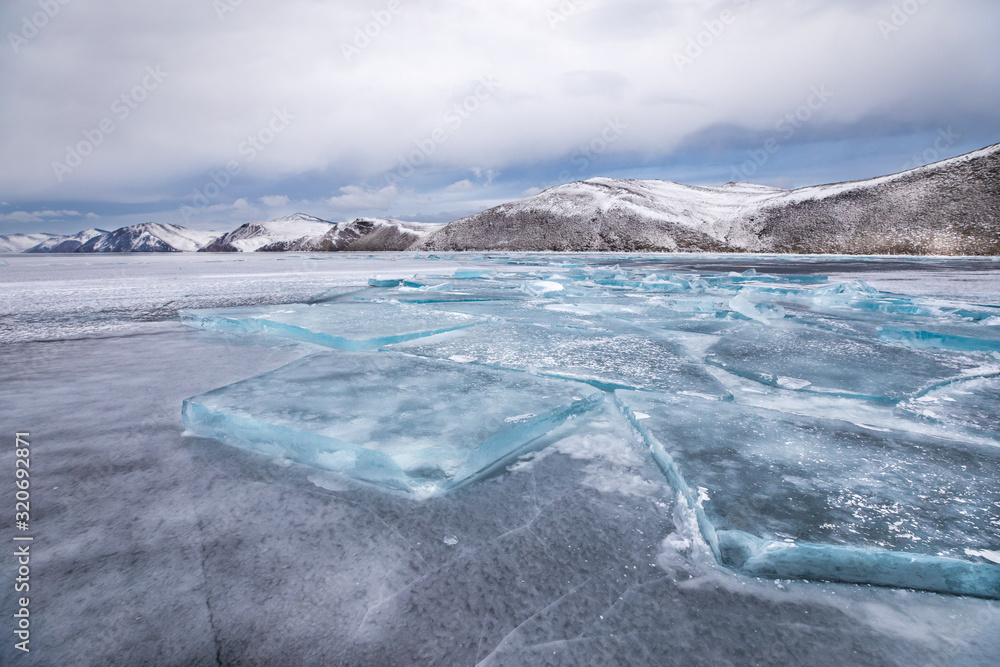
(841, 489)
(962, 338)
(418, 425)
(608, 360)
(344, 326)
(428, 289)
(972, 404)
(784, 560)
(697, 304)
(739, 280)
(794, 357)
(860, 296)
(385, 281)
(474, 274)
(781, 475)
(542, 288)
(764, 313)
(595, 313)
(445, 293)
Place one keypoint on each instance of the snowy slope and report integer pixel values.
(306, 233)
(58, 244)
(947, 208)
(951, 207)
(381, 234)
(275, 235)
(149, 237)
(611, 214)
(21, 242)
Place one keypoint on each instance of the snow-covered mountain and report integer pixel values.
(21, 242)
(374, 235)
(305, 233)
(947, 208)
(298, 232)
(149, 237)
(66, 243)
(276, 235)
(951, 207)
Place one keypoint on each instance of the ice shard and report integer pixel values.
(343, 326)
(879, 465)
(606, 359)
(972, 404)
(417, 425)
(830, 363)
(967, 338)
(858, 502)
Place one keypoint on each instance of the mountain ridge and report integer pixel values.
(951, 207)
(948, 208)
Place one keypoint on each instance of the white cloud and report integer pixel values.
(37, 216)
(19, 216)
(460, 186)
(273, 201)
(354, 197)
(487, 175)
(57, 214)
(558, 84)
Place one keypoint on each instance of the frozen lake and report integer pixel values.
(505, 459)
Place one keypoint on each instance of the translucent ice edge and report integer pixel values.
(920, 339)
(781, 560)
(776, 381)
(250, 325)
(596, 383)
(369, 465)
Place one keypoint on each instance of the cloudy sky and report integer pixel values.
(211, 113)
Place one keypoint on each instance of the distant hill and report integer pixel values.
(148, 237)
(57, 244)
(948, 208)
(300, 232)
(275, 235)
(21, 242)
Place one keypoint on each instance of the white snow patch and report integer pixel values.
(992, 556)
(792, 383)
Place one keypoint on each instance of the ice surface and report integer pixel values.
(344, 326)
(978, 338)
(606, 359)
(429, 290)
(972, 404)
(782, 559)
(830, 363)
(161, 549)
(408, 423)
(857, 496)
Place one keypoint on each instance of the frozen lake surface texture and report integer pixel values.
(466, 459)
